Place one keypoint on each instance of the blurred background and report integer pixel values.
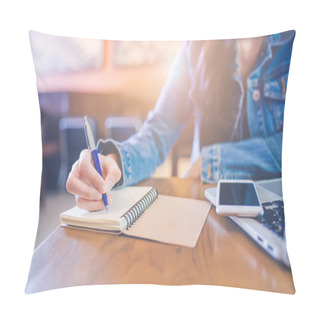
(115, 84)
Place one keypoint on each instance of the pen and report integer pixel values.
(94, 153)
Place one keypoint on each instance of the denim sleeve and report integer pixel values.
(256, 158)
(142, 153)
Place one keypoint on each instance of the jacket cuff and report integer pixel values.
(210, 171)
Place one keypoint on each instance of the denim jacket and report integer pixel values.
(256, 157)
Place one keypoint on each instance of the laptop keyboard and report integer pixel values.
(273, 217)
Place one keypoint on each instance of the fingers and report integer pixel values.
(92, 205)
(77, 182)
(88, 172)
(87, 184)
(78, 187)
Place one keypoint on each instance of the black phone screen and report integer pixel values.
(238, 194)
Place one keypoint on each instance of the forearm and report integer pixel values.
(256, 158)
(140, 155)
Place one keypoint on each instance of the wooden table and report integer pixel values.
(224, 255)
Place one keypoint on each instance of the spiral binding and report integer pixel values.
(135, 212)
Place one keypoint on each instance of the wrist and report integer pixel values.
(112, 156)
(110, 149)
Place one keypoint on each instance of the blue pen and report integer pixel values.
(94, 153)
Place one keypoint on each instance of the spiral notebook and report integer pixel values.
(141, 212)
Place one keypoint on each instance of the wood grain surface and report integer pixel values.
(224, 255)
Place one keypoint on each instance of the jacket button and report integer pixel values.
(256, 95)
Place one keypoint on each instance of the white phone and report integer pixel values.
(238, 198)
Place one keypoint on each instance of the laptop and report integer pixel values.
(268, 229)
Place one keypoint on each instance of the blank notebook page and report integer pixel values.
(172, 220)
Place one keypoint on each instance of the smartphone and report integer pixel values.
(238, 198)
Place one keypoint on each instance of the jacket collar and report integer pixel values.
(281, 38)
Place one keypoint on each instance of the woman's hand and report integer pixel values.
(86, 183)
